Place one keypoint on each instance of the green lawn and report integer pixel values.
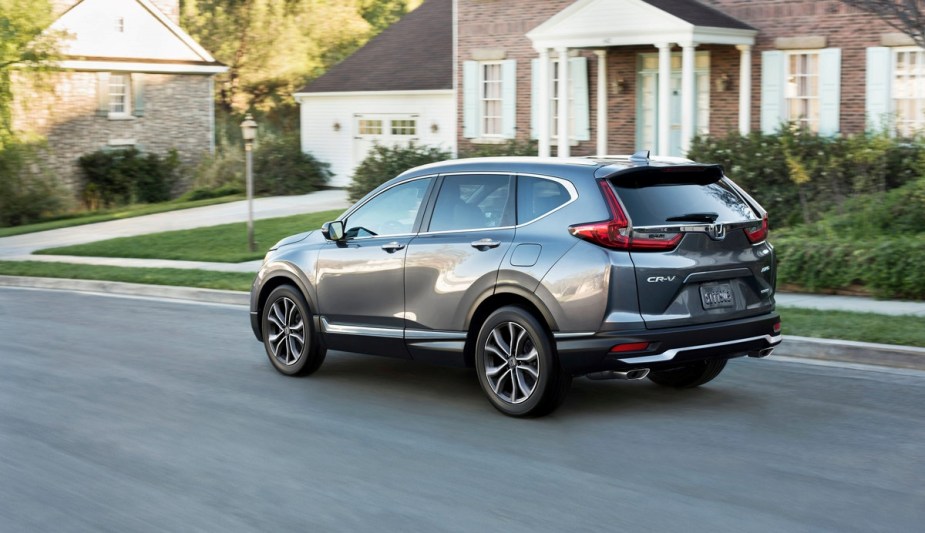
(235, 281)
(226, 243)
(863, 327)
(114, 214)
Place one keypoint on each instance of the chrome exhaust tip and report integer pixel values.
(635, 374)
(760, 354)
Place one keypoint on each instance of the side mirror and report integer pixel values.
(333, 231)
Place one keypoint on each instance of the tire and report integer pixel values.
(285, 314)
(523, 378)
(690, 376)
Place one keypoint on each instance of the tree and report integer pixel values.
(907, 16)
(24, 44)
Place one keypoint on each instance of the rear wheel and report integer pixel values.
(517, 365)
(689, 376)
(288, 335)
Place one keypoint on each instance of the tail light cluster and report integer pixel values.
(756, 235)
(615, 233)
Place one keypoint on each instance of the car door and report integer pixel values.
(455, 260)
(360, 279)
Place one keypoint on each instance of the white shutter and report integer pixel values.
(578, 71)
(879, 74)
(829, 91)
(509, 98)
(534, 91)
(102, 94)
(470, 99)
(772, 85)
(138, 94)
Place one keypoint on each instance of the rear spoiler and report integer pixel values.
(654, 174)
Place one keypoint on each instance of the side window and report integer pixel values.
(537, 196)
(473, 201)
(391, 213)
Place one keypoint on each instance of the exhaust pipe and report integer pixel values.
(638, 373)
(761, 353)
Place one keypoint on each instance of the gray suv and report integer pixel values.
(533, 271)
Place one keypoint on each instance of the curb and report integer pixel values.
(130, 289)
(865, 353)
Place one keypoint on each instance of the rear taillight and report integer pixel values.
(756, 235)
(630, 347)
(615, 233)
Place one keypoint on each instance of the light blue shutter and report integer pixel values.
(534, 91)
(470, 99)
(138, 94)
(578, 69)
(772, 85)
(509, 98)
(829, 91)
(879, 60)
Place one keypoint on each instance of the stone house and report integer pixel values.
(131, 77)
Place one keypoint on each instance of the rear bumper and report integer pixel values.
(669, 347)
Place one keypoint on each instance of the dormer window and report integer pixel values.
(120, 24)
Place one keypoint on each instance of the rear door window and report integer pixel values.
(473, 201)
(657, 199)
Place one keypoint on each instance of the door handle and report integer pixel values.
(392, 247)
(484, 244)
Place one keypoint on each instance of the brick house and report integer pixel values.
(131, 77)
(733, 65)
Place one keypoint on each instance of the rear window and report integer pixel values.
(654, 199)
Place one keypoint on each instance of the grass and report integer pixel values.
(845, 325)
(226, 243)
(235, 281)
(114, 214)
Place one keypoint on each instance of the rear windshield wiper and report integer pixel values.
(694, 217)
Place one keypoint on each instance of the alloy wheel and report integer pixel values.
(511, 363)
(286, 335)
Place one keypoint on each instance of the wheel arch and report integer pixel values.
(487, 305)
(286, 275)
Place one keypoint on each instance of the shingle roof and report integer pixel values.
(415, 53)
(699, 14)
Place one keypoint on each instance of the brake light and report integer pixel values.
(615, 233)
(630, 347)
(760, 233)
(776, 328)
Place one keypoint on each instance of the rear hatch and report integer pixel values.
(698, 244)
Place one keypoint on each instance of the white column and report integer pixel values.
(601, 101)
(543, 132)
(564, 148)
(664, 98)
(688, 111)
(745, 88)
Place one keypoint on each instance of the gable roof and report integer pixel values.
(414, 54)
(699, 14)
(132, 31)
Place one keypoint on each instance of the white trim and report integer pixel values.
(423, 92)
(745, 88)
(140, 66)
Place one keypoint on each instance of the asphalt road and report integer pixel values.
(125, 414)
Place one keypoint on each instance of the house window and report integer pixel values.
(120, 24)
(491, 102)
(908, 90)
(369, 127)
(404, 127)
(119, 85)
(802, 89)
(554, 91)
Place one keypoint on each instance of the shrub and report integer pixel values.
(28, 190)
(385, 162)
(120, 177)
(281, 167)
(511, 147)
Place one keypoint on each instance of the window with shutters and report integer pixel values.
(802, 89)
(908, 90)
(554, 91)
(491, 99)
(119, 95)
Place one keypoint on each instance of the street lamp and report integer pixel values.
(249, 132)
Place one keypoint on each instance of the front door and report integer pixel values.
(360, 280)
(647, 102)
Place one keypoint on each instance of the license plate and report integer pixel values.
(716, 296)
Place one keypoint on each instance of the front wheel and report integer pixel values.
(517, 364)
(689, 376)
(288, 335)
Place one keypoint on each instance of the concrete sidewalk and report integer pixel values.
(858, 304)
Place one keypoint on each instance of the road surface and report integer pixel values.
(128, 414)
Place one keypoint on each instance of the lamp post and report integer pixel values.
(249, 133)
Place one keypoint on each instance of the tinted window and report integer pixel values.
(390, 213)
(654, 201)
(537, 196)
(472, 202)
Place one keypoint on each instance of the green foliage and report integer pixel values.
(28, 190)
(121, 177)
(22, 44)
(797, 175)
(512, 147)
(385, 162)
(281, 167)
